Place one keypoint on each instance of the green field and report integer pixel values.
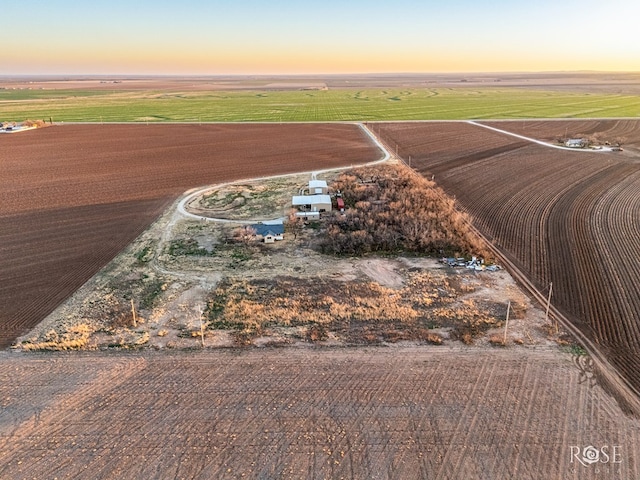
(310, 105)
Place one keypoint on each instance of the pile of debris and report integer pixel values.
(475, 263)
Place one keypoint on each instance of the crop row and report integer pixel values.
(565, 218)
(355, 413)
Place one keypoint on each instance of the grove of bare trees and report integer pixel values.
(391, 209)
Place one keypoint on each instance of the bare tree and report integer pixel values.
(244, 234)
(295, 224)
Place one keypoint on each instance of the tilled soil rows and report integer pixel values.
(567, 218)
(627, 132)
(71, 197)
(429, 412)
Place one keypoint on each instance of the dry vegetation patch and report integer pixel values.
(355, 311)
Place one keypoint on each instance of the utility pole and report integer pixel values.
(133, 312)
(199, 310)
(506, 323)
(546, 315)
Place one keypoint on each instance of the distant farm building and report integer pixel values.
(269, 233)
(576, 143)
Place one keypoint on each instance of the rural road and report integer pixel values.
(193, 194)
(539, 142)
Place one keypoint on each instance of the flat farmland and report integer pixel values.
(172, 104)
(627, 132)
(72, 197)
(567, 218)
(402, 412)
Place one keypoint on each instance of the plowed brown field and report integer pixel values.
(571, 218)
(372, 413)
(625, 131)
(72, 197)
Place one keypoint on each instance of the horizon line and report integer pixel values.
(269, 75)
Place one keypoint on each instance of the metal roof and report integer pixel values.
(310, 199)
(264, 230)
(317, 184)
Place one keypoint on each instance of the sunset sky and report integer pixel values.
(301, 37)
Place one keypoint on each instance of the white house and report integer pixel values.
(575, 143)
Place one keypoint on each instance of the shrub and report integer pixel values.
(188, 246)
(316, 332)
(34, 123)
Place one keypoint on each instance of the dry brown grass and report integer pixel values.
(244, 338)
(469, 320)
(75, 338)
(359, 311)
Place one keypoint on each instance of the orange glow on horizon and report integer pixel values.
(175, 59)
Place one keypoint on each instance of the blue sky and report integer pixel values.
(287, 37)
